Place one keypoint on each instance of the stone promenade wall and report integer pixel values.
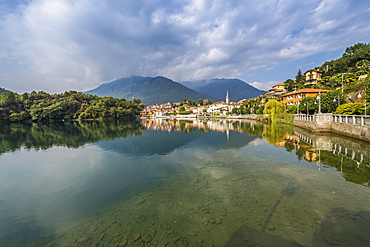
(324, 122)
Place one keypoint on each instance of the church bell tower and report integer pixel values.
(227, 97)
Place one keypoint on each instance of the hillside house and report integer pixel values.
(280, 86)
(275, 91)
(312, 76)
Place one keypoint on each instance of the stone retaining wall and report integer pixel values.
(324, 122)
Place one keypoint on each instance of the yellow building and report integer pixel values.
(294, 97)
(279, 86)
(312, 76)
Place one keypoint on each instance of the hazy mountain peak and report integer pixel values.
(151, 90)
(217, 88)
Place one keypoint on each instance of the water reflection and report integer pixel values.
(325, 150)
(227, 183)
(350, 157)
(67, 134)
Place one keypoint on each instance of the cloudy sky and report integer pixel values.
(59, 45)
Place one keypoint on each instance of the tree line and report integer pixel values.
(71, 105)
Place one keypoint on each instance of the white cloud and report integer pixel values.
(264, 86)
(76, 44)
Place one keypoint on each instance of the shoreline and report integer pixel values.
(196, 117)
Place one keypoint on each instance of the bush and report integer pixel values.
(350, 109)
(292, 109)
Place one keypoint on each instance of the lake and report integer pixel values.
(181, 183)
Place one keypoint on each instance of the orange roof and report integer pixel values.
(280, 84)
(306, 90)
(276, 89)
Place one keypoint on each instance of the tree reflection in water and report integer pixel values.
(326, 150)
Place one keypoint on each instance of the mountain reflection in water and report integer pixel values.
(181, 183)
(349, 156)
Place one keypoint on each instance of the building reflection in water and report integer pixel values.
(348, 156)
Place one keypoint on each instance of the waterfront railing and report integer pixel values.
(347, 119)
(352, 119)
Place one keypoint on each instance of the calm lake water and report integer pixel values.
(181, 184)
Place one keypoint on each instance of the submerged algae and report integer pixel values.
(251, 202)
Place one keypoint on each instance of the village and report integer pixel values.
(225, 108)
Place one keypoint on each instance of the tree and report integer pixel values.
(8, 98)
(235, 110)
(331, 100)
(41, 106)
(299, 78)
(137, 101)
(354, 48)
(188, 102)
(289, 85)
(273, 108)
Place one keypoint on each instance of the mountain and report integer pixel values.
(217, 88)
(151, 90)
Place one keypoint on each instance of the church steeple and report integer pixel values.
(227, 97)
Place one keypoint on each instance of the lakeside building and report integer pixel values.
(313, 76)
(294, 97)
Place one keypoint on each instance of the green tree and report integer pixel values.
(137, 101)
(273, 108)
(289, 85)
(207, 102)
(8, 98)
(188, 102)
(299, 79)
(41, 106)
(331, 100)
(236, 110)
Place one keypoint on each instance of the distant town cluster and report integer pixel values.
(218, 108)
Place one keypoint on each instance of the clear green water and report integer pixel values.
(181, 184)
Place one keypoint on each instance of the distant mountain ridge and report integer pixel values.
(151, 90)
(159, 90)
(217, 88)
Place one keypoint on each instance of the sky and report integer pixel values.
(60, 45)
